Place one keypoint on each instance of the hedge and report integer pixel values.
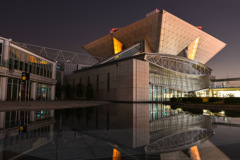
(231, 100)
(214, 99)
(192, 100)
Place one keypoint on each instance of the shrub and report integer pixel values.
(79, 90)
(192, 100)
(58, 90)
(68, 91)
(173, 99)
(231, 100)
(214, 99)
(89, 93)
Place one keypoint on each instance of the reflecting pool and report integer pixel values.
(120, 131)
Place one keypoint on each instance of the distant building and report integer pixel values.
(16, 59)
(153, 59)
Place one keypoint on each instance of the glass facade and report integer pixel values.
(28, 63)
(165, 84)
(13, 89)
(40, 115)
(43, 92)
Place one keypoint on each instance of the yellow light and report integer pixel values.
(192, 49)
(117, 46)
(195, 153)
(116, 154)
(24, 78)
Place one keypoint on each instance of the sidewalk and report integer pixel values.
(42, 105)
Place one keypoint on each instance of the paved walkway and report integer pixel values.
(36, 105)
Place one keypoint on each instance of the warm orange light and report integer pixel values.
(192, 49)
(116, 154)
(117, 46)
(195, 153)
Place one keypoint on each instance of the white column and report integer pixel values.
(52, 113)
(4, 81)
(32, 116)
(53, 92)
(54, 71)
(6, 47)
(2, 120)
(34, 91)
(51, 132)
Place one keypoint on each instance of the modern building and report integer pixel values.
(16, 60)
(153, 59)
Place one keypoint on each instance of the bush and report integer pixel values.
(68, 91)
(192, 100)
(79, 90)
(173, 99)
(89, 93)
(231, 100)
(214, 99)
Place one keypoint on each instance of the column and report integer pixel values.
(32, 116)
(54, 71)
(4, 81)
(33, 90)
(53, 92)
(6, 47)
(52, 113)
(2, 120)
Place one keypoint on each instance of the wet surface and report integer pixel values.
(119, 131)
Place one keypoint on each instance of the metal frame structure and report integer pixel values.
(62, 56)
(179, 141)
(178, 64)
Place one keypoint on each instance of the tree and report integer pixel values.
(79, 90)
(58, 90)
(68, 91)
(89, 93)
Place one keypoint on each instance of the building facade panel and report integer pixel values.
(14, 61)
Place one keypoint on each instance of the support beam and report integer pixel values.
(4, 81)
(53, 92)
(34, 91)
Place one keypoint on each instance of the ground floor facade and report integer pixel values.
(218, 92)
(141, 79)
(37, 88)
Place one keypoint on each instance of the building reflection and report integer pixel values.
(40, 126)
(131, 127)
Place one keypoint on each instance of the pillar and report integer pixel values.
(4, 81)
(32, 116)
(54, 71)
(34, 91)
(53, 92)
(6, 47)
(51, 132)
(2, 120)
(52, 113)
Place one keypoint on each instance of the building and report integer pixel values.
(16, 59)
(153, 59)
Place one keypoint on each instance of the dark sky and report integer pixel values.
(70, 24)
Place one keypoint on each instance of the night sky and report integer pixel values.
(68, 25)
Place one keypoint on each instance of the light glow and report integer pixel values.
(192, 50)
(117, 46)
(116, 154)
(195, 153)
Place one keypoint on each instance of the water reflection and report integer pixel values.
(111, 131)
(39, 131)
